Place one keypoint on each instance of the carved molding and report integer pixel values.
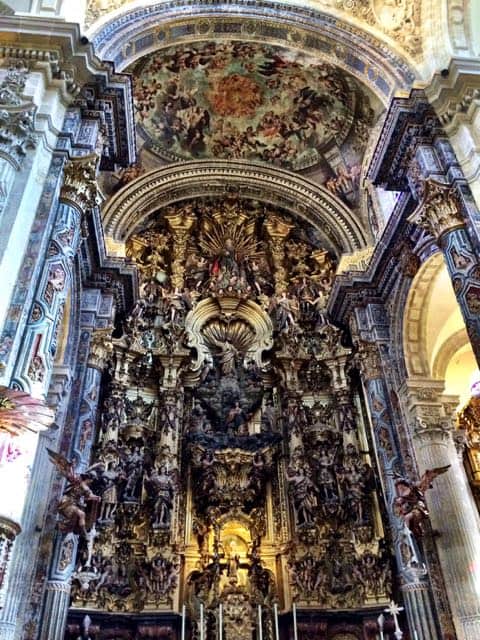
(142, 198)
(17, 132)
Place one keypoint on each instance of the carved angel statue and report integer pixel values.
(410, 501)
(78, 505)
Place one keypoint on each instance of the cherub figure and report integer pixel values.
(410, 501)
(78, 505)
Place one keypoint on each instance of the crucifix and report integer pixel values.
(394, 610)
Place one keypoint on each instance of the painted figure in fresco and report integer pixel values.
(78, 505)
(410, 501)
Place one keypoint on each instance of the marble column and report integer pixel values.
(57, 596)
(413, 574)
(440, 212)
(453, 513)
(34, 365)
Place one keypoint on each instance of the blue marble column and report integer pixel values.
(413, 573)
(33, 368)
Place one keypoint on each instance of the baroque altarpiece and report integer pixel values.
(237, 264)
(233, 464)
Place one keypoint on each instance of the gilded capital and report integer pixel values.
(278, 228)
(439, 211)
(80, 189)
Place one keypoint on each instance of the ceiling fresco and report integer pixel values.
(234, 100)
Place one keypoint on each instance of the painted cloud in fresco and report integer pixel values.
(239, 100)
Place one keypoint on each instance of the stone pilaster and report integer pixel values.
(440, 213)
(453, 512)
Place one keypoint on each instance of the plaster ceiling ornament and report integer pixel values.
(20, 412)
(246, 100)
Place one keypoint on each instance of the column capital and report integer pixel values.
(80, 189)
(432, 429)
(369, 360)
(101, 348)
(439, 210)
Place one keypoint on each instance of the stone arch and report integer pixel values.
(435, 339)
(131, 32)
(414, 326)
(131, 207)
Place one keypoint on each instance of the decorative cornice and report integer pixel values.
(131, 207)
(407, 121)
(454, 94)
(55, 48)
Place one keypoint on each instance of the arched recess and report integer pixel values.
(130, 32)
(131, 207)
(436, 344)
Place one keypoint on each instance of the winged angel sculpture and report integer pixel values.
(78, 505)
(410, 501)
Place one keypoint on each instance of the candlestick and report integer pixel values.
(260, 630)
(220, 623)
(183, 622)
(275, 617)
(294, 611)
(202, 629)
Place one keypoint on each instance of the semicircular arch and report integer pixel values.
(133, 206)
(132, 31)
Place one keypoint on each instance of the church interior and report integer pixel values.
(239, 320)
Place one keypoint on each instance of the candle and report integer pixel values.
(202, 628)
(295, 632)
(220, 623)
(415, 635)
(275, 617)
(260, 630)
(183, 621)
